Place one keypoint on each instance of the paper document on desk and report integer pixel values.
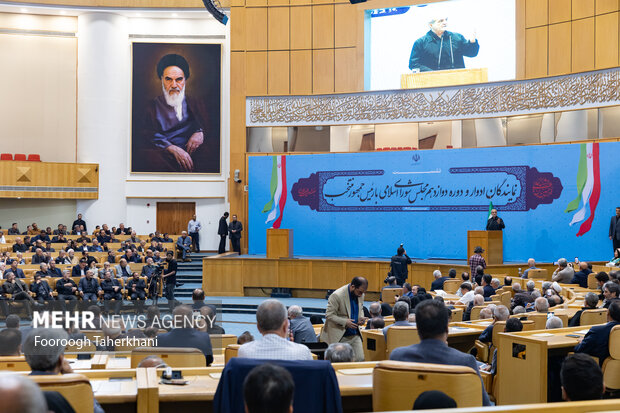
(441, 293)
(582, 332)
(542, 335)
(215, 376)
(356, 372)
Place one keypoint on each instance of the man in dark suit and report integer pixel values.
(399, 265)
(235, 229)
(19, 273)
(79, 222)
(581, 277)
(80, 269)
(222, 231)
(437, 283)
(596, 341)
(614, 229)
(184, 334)
(66, 289)
(591, 301)
(432, 319)
(495, 223)
(41, 289)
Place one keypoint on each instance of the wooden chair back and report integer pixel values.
(374, 345)
(397, 384)
(592, 282)
(14, 363)
(401, 336)
(388, 294)
(172, 356)
(592, 317)
(456, 314)
(611, 366)
(231, 351)
(75, 388)
(451, 286)
(505, 298)
(539, 273)
(222, 340)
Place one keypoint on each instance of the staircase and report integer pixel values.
(190, 273)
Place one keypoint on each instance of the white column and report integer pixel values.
(573, 124)
(339, 138)
(104, 112)
(489, 132)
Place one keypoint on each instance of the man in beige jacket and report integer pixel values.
(345, 314)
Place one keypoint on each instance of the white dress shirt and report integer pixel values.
(274, 347)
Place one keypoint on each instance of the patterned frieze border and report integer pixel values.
(577, 91)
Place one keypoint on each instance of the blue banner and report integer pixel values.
(366, 204)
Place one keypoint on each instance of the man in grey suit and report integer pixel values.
(564, 273)
(614, 230)
(300, 326)
(432, 319)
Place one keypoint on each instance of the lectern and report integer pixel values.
(440, 78)
(279, 243)
(492, 243)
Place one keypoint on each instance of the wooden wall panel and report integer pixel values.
(536, 52)
(559, 49)
(256, 73)
(260, 273)
(536, 13)
(256, 30)
(327, 274)
(606, 6)
(322, 27)
(256, 3)
(279, 28)
(520, 38)
(293, 275)
(237, 31)
(559, 11)
(301, 27)
(278, 64)
(277, 3)
(323, 71)
(345, 25)
(582, 42)
(301, 72)
(346, 70)
(582, 9)
(223, 277)
(606, 38)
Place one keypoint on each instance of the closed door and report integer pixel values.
(172, 217)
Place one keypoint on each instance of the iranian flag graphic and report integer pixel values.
(588, 187)
(275, 206)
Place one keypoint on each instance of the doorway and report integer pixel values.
(172, 217)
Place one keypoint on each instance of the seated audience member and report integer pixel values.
(10, 342)
(407, 290)
(136, 288)
(401, 316)
(590, 301)
(80, 269)
(487, 288)
(300, 326)
(478, 274)
(103, 238)
(185, 335)
(554, 322)
(150, 269)
(476, 302)
(19, 394)
(432, 319)
(112, 294)
(611, 292)
(49, 359)
(339, 353)
(53, 269)
(522, 298)
(151, 332)
(513, 325)
(465, 277)
(14, 230)
(63, 258)
(129, 256)
(581, 277)
(16, 287)
(89, 288)
(66, 289)
(96, 247)
(374, 310)
(495, 284)
(485, 313)
(59, 239)
(541, 305)
(41, 289)
(614, 262)
(166, 238)
(596, 341)
(123, 270)
(152, 361)
(41, 236)
(437, 284)
(564, 273)
(198, 299)
(268, 389)
(433, 399)
(39, 257)
(245, 337)
(133, 238)
(44, 270)
(12, 321)
(581, 378)
(508, 281)
(467, 295)
(184, 244)
(500, 313)
(519, 310)
(19, 273)
(272, 323)
(210, 325)
(19, 245)
(375, 323)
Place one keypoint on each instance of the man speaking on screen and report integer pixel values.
(440, 49)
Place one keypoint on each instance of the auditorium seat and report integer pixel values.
(20, 157)
(75, 388)
(230, 352)
(34, 157)
(13, 363)
(6, 157)
(539, 273)
(401, 336)
(397, 384)
(592, 317)
(388, 294)
(172, 356)
(451, 286)
(611, 365)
